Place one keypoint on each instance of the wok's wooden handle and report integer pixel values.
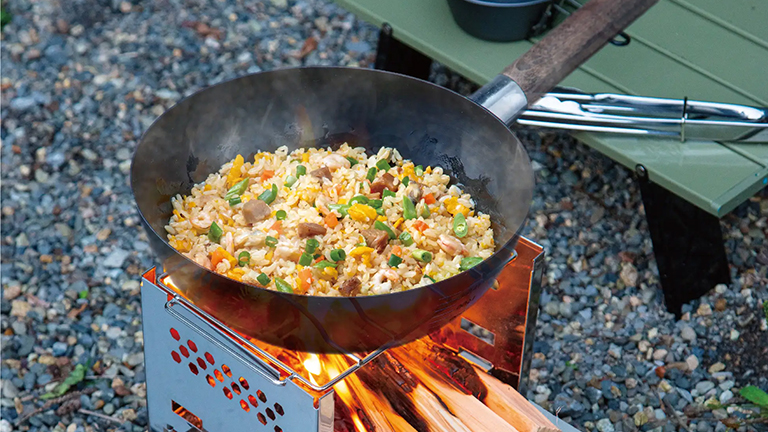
(571, 43)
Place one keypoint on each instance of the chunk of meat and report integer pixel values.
(351, 287)
(310, 229)
(256, 210)
(376, 239)
(414, 191)
(321, 173)
(387, 181)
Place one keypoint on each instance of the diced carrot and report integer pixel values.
(421, 226)
(331, 220)
(429, 198)
(305, 279)
(267, 174)
(218, 256)
(277, 226)
(397, 250)
(320, 258)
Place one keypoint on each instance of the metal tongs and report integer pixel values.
(639, 115)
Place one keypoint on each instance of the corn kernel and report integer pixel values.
(268, 256)
(342, 201)
(381, 218)
(236, 273)
(398, 222)
(360, 250)
(428, 170)
(179, 217)
(299, 267)
(234, 173)
(207, 187)
(331, 272)
(305, 157)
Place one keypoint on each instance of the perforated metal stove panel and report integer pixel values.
(196, 382)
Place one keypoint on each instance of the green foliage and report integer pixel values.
(765, 309)
(755, 395)
(74, 378)
(5, 16)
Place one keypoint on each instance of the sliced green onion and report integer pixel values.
(423, 210)
(338, 255)
(371, 176)
(312, 245)
(469, 262)
(406, 238)
(380, 211)
(281, 215)
(316, 256)
(305, 259)
(325, 263)
(375, 203)
(270, 241)
(383, 165)
(358, 199)
(243, 258)
(237, 189)
(388, 193)
(215, 232)
(263, 279)
(460, 227)
(409, 211)
(422, 255)
(379, 225)
(405, 181)
(352, 161)
(341, 208)
(394, 260)
(268, 196)
(235, 201)
(429, 278)
(419, 170)
(283, 286)
(290, 180)
(300, 171)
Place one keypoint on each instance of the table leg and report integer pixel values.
(687, 243)
(395, 56)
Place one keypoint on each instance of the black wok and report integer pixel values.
(309, 107)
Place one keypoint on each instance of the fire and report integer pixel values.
(313, 366)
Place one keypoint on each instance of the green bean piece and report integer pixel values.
(423, 210)
(376, 203)
(432, 280)
(290, 180)
(305, 259)
(243, 258)
(341, 208)
(409, 210)
(394, 260)
(263, 279)
(379, 225)
(215, 232)
(270, 241)
(283, 286)
(235, 201)
(325, 263)
(281, 215)
(300, 171)
(352, 161)
(358, 199)
(406, 238)
(383, 165)
(371, 176)
(338, 255)
(469, 262)
(237, 189)
(460, 227)
(388, 193)
(405, 181)
(269, 195)
(422, 255)
(419, 170)
(312, 245)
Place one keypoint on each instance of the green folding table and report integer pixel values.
(701, 49)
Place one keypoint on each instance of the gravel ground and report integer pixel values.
(81, 83)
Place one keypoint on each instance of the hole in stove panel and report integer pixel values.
(218, 375)
(279, 409)
(278, 429)
(176, 356)
(261, 395)
(186, 415)
(227, 371)
(202, 364)
(228, 393)
(244, 405)
(236, 388)
(270, 414)
(192, 346)
(193, 368)
(477, 331)
(209, 357)
(476, 359)
(244, 383)
(184, 351)
(175, 334)
(253, 401)
(210, 380)
(262, 419)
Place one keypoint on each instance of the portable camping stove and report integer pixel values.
(203, 376)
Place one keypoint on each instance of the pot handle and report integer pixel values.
(558, 54)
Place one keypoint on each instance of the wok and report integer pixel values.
(317, 106)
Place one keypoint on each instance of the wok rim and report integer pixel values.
(508, 245)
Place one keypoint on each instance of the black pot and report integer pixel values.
(498, 20)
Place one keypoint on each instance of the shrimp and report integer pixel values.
(388, 274)
(202, 221)
(227, 243)
(451, 245)
(335, 161)
(202, 259)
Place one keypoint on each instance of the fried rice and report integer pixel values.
(330, 223)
